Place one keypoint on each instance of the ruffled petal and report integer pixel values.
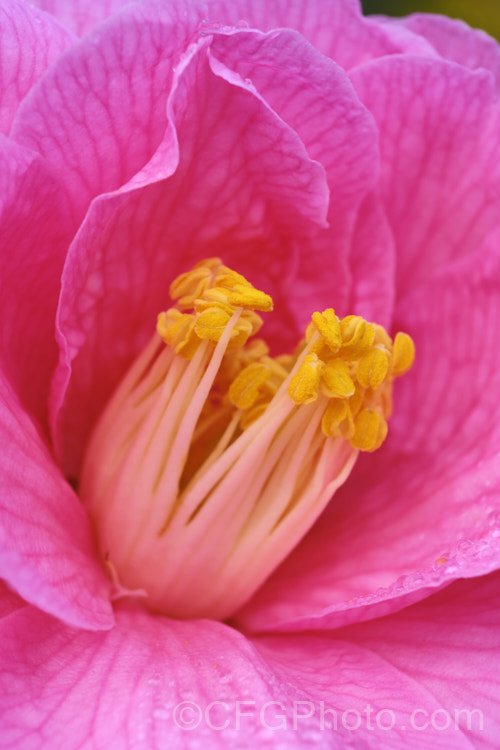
(337, 132)
(29, 42)
(425, 508)
(440, 148)
(336, 29)
(100, 112)
(408, 41)
(230, 179)
(456, 41)
(46, 549)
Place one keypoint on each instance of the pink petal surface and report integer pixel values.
(440, 143)
(121, 689)
(46, 550)
(231, 179)
(65, 688)
(424, 669)
(456, 41)
(336, 29)
(29, 42)
(424, 509)
(372, 264)
(100, 113)
(34, 234)
(9, 600)
(81, 15)
(406, 40)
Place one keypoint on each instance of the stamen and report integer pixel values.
(304, 384)
(213, 459)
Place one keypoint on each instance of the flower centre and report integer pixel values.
(213, 459)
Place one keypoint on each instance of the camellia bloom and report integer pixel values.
(211, 533)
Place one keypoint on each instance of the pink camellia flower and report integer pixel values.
(175, 576)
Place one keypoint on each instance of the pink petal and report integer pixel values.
(9, 600)
(372, 264)
(100, 113)
(34, 233)
(127, 688)
(293, 79)
(46, 550)
(456, 41)
(431, 671)
(239, 184)
(81, 15)
(425, 508)
(440, 147)
(29, 42)
(409, 42)
(336, 29)
(136, 684)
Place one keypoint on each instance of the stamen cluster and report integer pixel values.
(213, 458)
(212, 293)
(349, 364)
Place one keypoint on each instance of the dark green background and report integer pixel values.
(483, 14)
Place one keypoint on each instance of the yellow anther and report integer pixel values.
(213, 264)
(251, 318)
(403, 354)
(350, 362)
(328, 326)
(337, 380)
(250, 298)
(356, 400)
(201, 305)
(382, 337)
(303, 388)
(240, 335)
(285, 361)
(278, 366)
(357, 336)
(227, 279)
(164, 321)
(188, 286)
(372, 368)
(370, 430)
(215, 295)
(335, 413)
(245, 388)
(256, 348)
(177, 330)
(210, 323)
(239, 359)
